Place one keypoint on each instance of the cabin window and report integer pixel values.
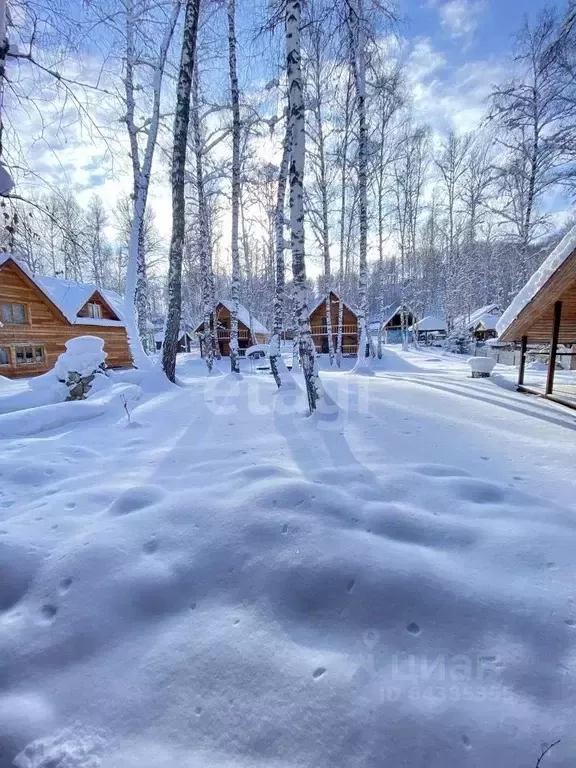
(94, 310)
(14, 314)
(29, 355)
(4, 356)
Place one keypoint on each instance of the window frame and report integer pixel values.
(8, 351)
(24, 363)
(12, 321)
(94, 306)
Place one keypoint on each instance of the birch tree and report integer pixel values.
(357, 38)
(142, 156)
(234, 249)
(319, 76)
(178, 168)
(209, 341)
(536, 118)
(279, 246)
(297, 240)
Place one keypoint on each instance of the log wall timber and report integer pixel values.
(46, 328)
(320, 331)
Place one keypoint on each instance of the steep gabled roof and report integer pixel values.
(542, 288)
(69, 297)
(244, 317)
(398, 309)
(322, 299)
(28, 277)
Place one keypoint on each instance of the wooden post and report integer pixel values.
(553, 346)
(522, 368)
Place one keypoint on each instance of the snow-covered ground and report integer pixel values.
(224, 583)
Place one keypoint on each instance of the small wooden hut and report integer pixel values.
(543, 315)
(319, 325)
(429, 328)
(250, 329)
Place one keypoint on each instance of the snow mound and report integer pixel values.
(34, 420)
(83, 355)
(393, 362)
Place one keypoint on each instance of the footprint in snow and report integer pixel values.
(135, 499)
(413, 628)
(318, 672)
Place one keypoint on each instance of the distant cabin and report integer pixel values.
(319, 325)
(542, 319)
(481, 323)
(250, 329)
(184, 341)
(39, 314)
(392, 324)
(429, 327)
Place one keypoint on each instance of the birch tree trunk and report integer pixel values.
(181, 123)
(234, 249)
(275, 357)
(136, 286)
(357, 35)
(206, 283)
(343, 219)
(297, 158)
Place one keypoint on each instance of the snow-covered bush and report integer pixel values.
(481, 367)
(82, 367)
(458, 342)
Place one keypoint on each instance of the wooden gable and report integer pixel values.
(18, 288)
(97, 298)
(318, 314)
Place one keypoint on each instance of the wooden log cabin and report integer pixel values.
(319, 325)
(542, 319)
(39, 314)
(250, 329)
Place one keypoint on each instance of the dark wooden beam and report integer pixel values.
(553, 346)
(522, 368)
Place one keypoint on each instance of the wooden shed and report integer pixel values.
(429, 328)
(250, 329)
(480, 323)
(39, 314)
(541, 318)
(392, 323)
(319, 325)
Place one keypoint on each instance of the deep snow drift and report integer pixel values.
(223, 583)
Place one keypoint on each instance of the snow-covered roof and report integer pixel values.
(555, 260)
(430, 323)
(70, 296)
(479, 315)
(245, 317)
(489, 322)
(159, 335)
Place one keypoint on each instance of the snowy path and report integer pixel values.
(232, 585)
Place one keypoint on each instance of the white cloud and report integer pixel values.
(459, 17)
(447, 97)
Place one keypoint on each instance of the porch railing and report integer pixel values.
(322, 330)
